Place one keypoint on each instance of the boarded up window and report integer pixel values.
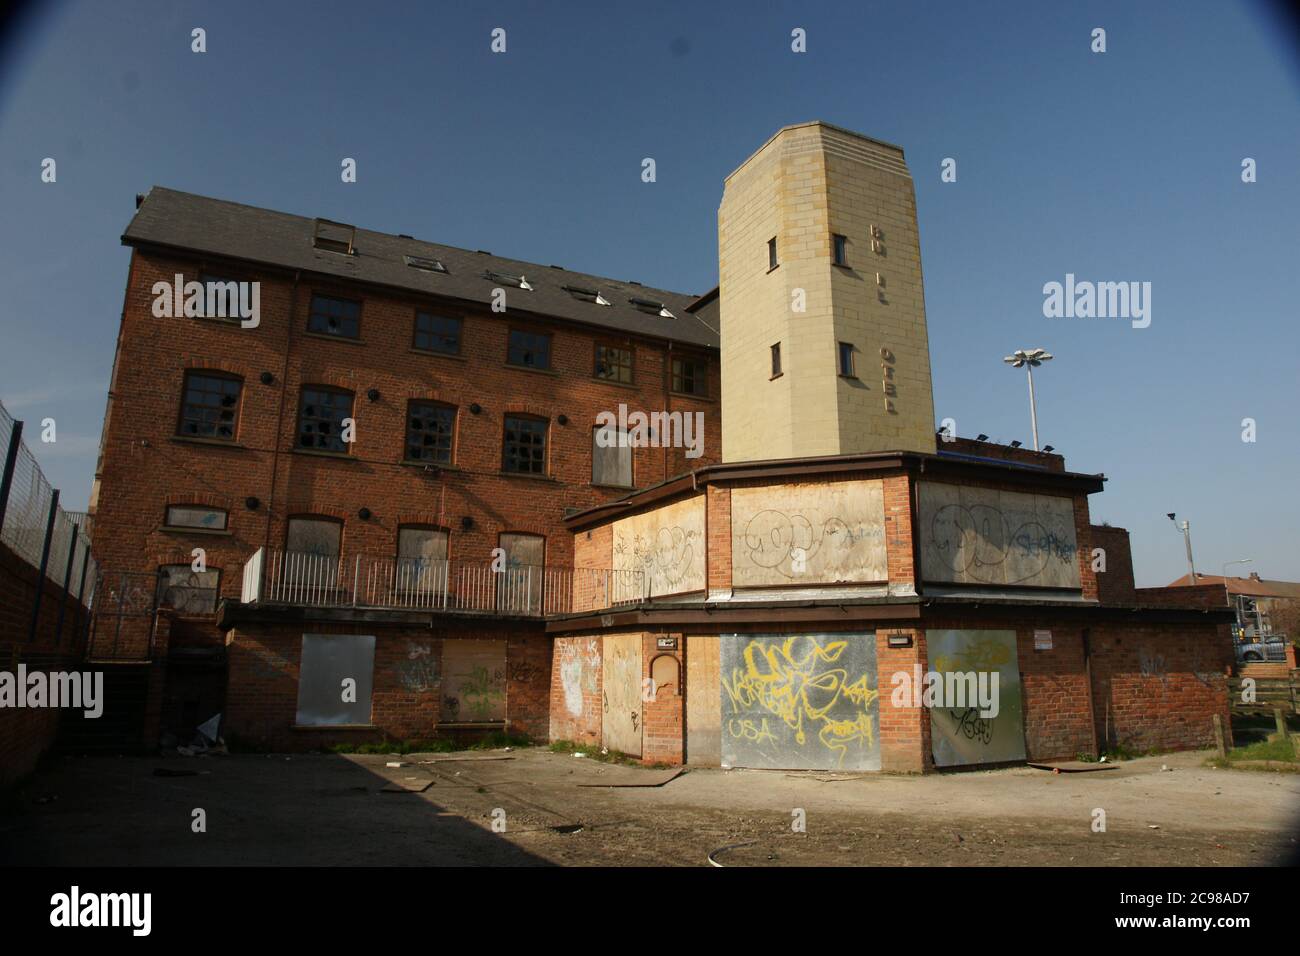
(421, 559)
(473, 681)
(335, 679)
(312, 552)
(187, 590)
(318, 536)
(611, 457)
(519, 585)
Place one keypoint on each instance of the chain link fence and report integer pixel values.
(26, 527)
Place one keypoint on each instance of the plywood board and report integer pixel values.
(1001, 538)
(474, 680)
(621, 700)
(800, 702)
(961, 736)
(703, 700)
(830, 533)
(661, 550)
(328, 660)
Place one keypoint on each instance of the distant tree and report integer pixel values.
(1285, 618)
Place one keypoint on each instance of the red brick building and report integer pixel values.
(382, 507)
(473, 428)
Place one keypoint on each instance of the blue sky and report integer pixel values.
(1117, 166)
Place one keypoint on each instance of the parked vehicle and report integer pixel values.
(1272, 647)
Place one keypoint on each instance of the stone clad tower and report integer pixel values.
(822, 193)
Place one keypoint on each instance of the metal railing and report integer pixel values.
(34, 526)
(315, 580)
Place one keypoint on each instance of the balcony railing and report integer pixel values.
(364, 581)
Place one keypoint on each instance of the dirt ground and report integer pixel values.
(329, 810)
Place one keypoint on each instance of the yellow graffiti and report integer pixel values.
(788, 681)
(747, 729)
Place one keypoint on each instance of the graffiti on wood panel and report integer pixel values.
(984, 536)
(666, 547)
(808, 534)
(807, 701)
(579, 666)
(966, 734)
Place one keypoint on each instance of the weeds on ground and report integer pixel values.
(1276, 749)
(438, 745)
(594, 751)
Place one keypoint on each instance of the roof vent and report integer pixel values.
(519, 282)
(654, 308)
(427, 265)
(586, 295)
(334, 237)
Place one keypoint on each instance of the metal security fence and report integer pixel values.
(35, 528)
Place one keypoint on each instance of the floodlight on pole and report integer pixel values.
(1226, 595)
(1030, 359)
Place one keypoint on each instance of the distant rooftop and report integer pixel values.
(169, 219)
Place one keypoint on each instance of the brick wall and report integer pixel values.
(718, 529)
(1159, 686)
(898, 533)
(663, 740)
(262, 690)
(904, 731)
(1200, 595)
(145, 465)
(1115, 585)
(26, 733)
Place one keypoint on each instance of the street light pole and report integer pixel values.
(1186, 528)
(1228, 597)
(1030, 359)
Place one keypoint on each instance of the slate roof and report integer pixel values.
(180, 220)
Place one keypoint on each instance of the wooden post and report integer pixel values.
(1281, 723)
(1219, 741)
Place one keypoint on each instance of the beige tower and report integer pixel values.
(806, 186)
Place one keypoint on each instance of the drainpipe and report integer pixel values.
(279, 415)
(1087, 674)
(668, 373)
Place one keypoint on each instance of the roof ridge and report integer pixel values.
(398, 237)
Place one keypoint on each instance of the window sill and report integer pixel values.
(314, 453)
(333, 727)
(334, 338)
(415, 463)
(610, 381)
(771, 269)
(207, 532)
(843, 265)
(214, 442)
(526, 477)
(691, 395)
(776, 376)
(623, 488)
(454, 356)
(531, 368)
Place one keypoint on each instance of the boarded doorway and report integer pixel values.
(703, 701)
(473, 681)
(800, 702)
(621, 699)
(969, 734)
